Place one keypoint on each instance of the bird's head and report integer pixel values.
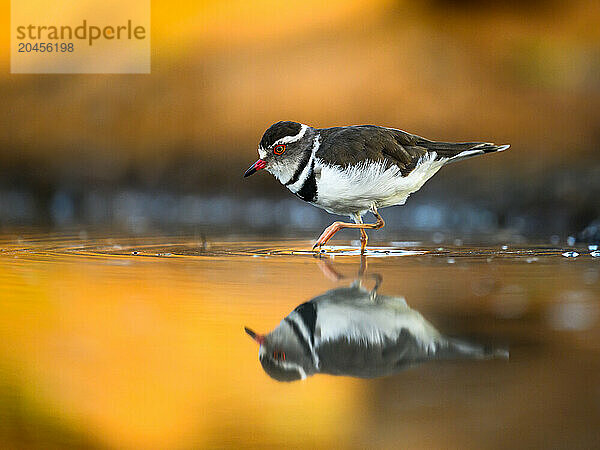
(281, 354)
(282, 149)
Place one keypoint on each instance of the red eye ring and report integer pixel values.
(279, 149)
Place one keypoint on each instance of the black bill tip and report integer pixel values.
(260, 164)
(250, 171)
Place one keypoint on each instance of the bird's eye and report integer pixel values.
(279, 355)
(279, 149)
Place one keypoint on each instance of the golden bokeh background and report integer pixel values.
(222, 71)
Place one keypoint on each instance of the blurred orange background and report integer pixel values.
(519, 72)
(523, 73)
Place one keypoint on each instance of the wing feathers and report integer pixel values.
(347, 146)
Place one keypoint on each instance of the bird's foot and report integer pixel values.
(327, 234)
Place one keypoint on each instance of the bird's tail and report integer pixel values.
(457, 349)
(457, 151)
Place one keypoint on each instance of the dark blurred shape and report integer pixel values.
(515, 6)
(591, 233)
(28, 424)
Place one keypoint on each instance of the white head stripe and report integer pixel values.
(290, 139)
(287, 365)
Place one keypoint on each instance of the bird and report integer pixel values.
(353, 332)
(351, 170)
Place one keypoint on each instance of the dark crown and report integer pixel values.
(279, 130)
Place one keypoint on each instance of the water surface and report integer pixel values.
(139, 343)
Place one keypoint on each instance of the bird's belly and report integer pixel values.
(356, 189)
(373, 323)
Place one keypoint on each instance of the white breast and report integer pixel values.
(357, 188)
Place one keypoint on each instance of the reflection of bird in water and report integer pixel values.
(355, 169)
(355, 332)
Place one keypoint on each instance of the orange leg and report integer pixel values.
(337, 226)
(363, 235)
(329, 271)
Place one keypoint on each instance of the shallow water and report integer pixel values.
(139, 343)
